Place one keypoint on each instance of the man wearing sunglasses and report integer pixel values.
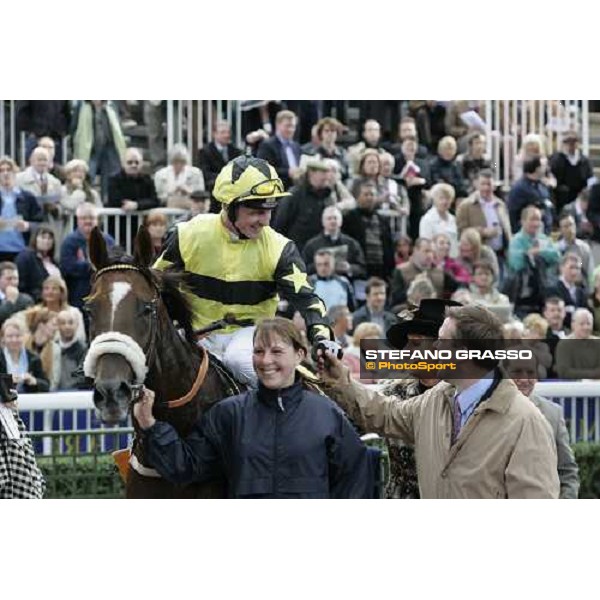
(239, 265)
(130, 190)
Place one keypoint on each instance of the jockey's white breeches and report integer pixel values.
(235, 350)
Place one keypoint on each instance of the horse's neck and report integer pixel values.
(175, 365)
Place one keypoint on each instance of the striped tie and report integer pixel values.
(456, 417)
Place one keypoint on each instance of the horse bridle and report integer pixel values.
(151, 306)
(150, 351)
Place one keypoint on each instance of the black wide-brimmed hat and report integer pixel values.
(425, 320)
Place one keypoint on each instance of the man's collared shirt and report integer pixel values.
(289, 152)
(377, 318)
(469, 399)
(571, 288)
(11, 240)
(222, 151)
(492, 217)
(9, 195)
(573, 158)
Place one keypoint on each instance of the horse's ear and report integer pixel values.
(143, 253)
(97, 249)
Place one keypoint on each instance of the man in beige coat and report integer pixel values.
(476, 437)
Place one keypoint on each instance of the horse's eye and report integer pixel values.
(146, 309)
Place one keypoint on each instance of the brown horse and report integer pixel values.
(131, 309)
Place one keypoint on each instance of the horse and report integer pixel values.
(131, 310)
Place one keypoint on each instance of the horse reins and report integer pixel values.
(150, 351)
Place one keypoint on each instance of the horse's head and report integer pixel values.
(123, 313)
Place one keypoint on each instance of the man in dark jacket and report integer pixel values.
(350, 260)
(568, 287)
(39, 118)
(579, 209)
(281, 151)
(299, 215)
(372, 232)
(11, 300)
(430, 117)
(555, 313)
(407, 130)
(74, 262)
(413, 173)
(572, 170)
(374, 310)
(131, 190)
(216, 154)
(529, 190)
(18, 209)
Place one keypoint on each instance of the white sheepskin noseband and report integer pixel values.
(113, 342)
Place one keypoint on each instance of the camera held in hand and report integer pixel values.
(8, 391)
(137, 391)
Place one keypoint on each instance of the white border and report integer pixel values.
(308, 550)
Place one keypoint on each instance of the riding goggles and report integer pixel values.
(264, 189)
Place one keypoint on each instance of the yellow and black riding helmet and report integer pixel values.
(250, 181)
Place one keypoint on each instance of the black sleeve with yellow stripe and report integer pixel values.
(293, 286)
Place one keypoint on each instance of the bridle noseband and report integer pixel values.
(151, 306)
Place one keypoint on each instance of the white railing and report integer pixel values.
(76, 400)
(75, 410)
(67, 411)
(509, 121)
(66, 143)
(191, 122)
(581, 406)
(121, 224)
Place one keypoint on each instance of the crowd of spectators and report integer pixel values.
(426, 218)
(411, 210)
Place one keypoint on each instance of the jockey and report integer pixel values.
(239, 265)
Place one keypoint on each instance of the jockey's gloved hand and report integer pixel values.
(326, 346)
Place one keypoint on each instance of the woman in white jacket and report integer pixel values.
(77, 188)
(178, 181)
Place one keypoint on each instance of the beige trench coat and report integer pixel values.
(505, 450)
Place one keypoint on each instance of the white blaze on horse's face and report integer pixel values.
(120, 289)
